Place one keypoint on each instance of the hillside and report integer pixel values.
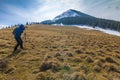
(60, 53)
(74, 17)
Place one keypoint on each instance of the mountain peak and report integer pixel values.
(71, 13)
(71, 10)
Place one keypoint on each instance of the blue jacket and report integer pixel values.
(18, 31)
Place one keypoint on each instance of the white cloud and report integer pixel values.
(48, 9)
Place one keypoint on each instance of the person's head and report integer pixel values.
(22, 27)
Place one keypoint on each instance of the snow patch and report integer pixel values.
(3, 26)
(68, 13)
(108, 31)
(58, 24)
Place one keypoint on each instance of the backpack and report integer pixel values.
(14, 31)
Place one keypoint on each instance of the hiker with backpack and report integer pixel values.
(17, 32)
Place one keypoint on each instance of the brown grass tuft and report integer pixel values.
(90, 53)
(60, 58)
(47, 57)
(94, 76)
(97, 68)
(41, 76)
(57, 54)
(77, 76)
(44, 76)
(78, 51)
(77, 59)
(69, 54)
(89, 59)
(83, 56)
(102, 59)
(10, 70)
(98, 62)
(3, 66)
(47, 65)
(111, 67)
(110, 60)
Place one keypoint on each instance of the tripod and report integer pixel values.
(25, 38)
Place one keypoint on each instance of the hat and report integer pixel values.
(22, 26)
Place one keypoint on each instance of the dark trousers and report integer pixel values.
(19, 43)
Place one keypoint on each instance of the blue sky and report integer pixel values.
(22, 11)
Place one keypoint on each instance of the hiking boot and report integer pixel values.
(23, 48)
(14, 51)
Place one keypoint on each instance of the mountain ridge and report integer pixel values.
(71, 13)
(74, 17)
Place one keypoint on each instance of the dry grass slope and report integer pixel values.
(60, 53)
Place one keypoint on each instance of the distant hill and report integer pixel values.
(74, 17)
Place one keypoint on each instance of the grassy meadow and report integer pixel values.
(60, 53)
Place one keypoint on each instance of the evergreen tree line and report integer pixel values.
(94, 22)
